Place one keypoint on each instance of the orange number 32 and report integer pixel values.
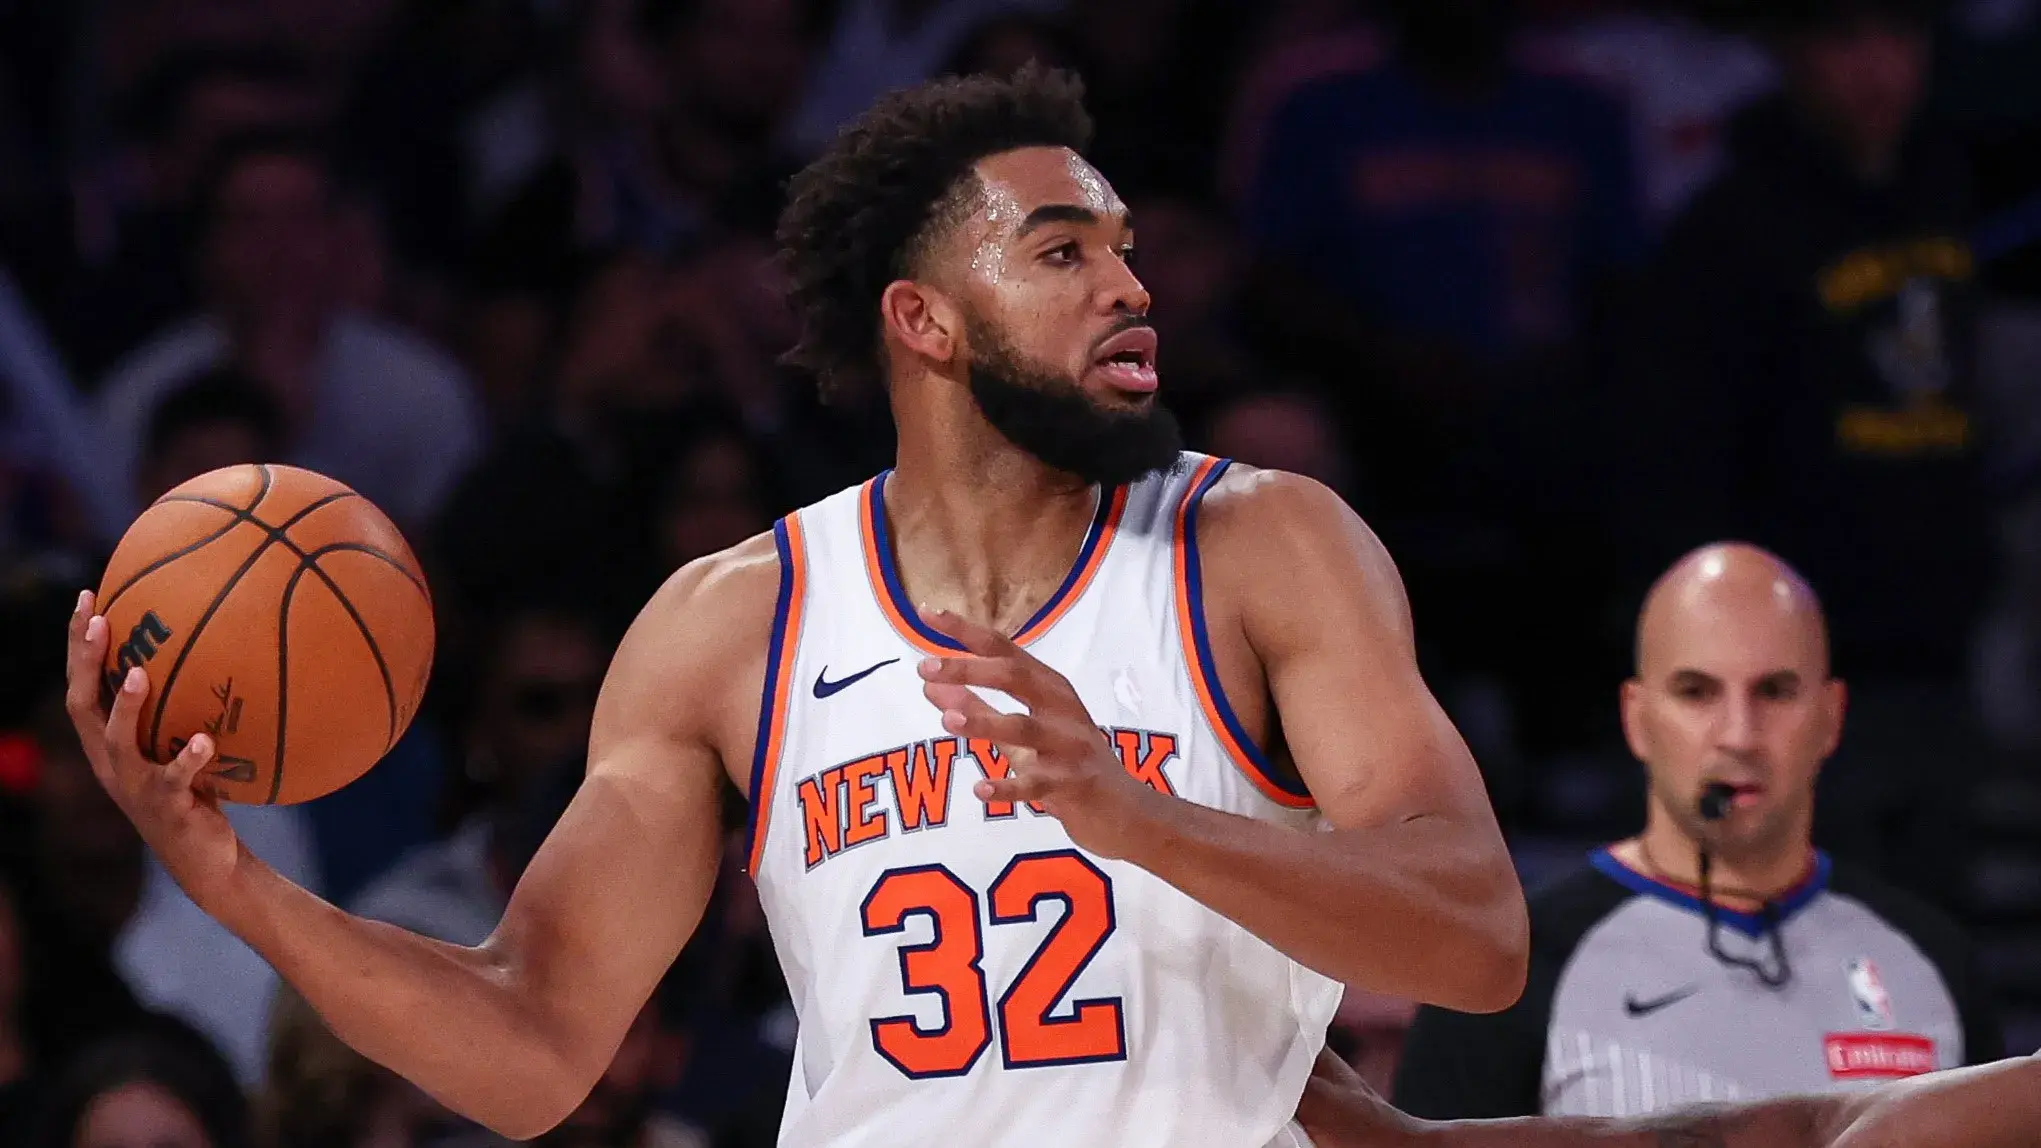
(949, 966)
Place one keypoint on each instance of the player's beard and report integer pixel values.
(1050, 416)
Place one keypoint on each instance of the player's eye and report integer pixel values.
(1126, 251)
(1062, 253)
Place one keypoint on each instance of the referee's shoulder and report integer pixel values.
(1565, 906)
(1930, 927)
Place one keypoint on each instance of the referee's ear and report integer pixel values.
(1628, 700)
(1835, 703)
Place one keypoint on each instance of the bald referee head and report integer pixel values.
(1732, 686)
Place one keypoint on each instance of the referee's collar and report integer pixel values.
(1689, 898)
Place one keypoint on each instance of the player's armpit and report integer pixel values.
(514, 1033)
(1413, 893)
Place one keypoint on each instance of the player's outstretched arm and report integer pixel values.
(512, 1033)
(1988, 1106)
(1413, 892)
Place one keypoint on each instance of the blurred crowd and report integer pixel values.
(1550, 290)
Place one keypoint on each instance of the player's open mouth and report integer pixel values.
(1127, 360)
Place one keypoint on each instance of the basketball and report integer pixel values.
(279, 612)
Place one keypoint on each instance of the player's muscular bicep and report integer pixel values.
(1321, 607)
(621, 882)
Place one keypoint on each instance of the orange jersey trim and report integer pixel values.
(779, 675)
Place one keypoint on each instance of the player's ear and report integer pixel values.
(921, 319)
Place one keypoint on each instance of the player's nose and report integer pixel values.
(1122, 291)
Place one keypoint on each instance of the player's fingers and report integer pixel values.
(1006, 675)
(1019, 675)
(125, 718)
(981, 640)
(967, 715)
(190, 763)
(1014, 787)
(84, 654)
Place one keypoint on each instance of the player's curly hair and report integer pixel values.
(864, 212)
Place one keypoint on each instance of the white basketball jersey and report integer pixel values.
(963, 974)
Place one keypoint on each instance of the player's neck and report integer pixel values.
(989, 533)
(1737, 880)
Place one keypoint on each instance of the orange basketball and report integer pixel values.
(279, 612)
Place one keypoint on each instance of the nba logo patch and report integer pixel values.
(1867, 992)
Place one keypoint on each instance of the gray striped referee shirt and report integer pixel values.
(1627, 1010)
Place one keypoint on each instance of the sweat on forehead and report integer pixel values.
(1002, 194)
(1724, 583)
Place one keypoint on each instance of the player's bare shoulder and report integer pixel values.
(1273, 541)
(689, 667)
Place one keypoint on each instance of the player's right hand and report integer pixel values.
(176, 814)
(1339, 1110)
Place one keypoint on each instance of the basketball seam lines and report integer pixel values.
(311, 562)
(240, 516)
(276, 533)
(166, 560)
(283, 675)
(363, 547)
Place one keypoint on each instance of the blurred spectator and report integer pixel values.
(557, 507)
(1807, 383)
(319, 1093)
(89, 869)
(1803, 975)
(877, 46)
(180, 961)
(145, 1091)
(621, 1111)
(1446, 237)
(525, 733)
(1158, 77)
(560, 505)
(1285, 430)
(49, 447)
(663, 128)
(719, 493)
(1681, 78)
(102, 253)
(1448, 196)
(1193, 263)
(19, 1089)
(362, 402)
(1001, 43)
(220, 418)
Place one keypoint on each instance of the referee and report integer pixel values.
(1718, 955)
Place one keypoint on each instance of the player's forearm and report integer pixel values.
(1988, 1106)
(1792, 1123)
(452, 1020)
(1413, 910)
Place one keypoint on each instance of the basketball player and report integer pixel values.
(1995, 1105)
(1083, 771)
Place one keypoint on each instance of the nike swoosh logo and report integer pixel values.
(824, 687)
(1636, 1007)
